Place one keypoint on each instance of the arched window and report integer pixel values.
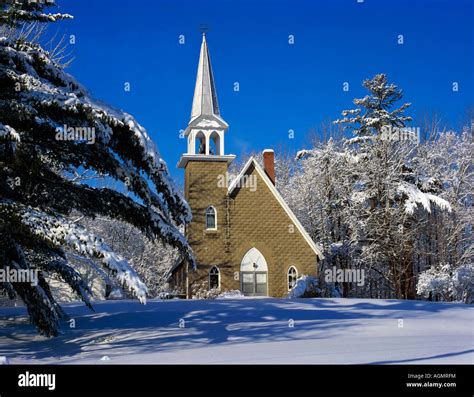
(214, 143)
(200, 142)
(211, 218)
(214, 282)
(292, 277)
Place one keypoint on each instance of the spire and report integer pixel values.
(205, 97)
(205, 132)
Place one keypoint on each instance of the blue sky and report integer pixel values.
(282, 86)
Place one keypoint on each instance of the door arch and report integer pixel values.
(254, 273)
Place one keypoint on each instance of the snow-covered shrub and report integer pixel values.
(165, 295)
(463, 283)
(199, 290)
(446, 283)
(305, 287)
(232, 294)
(435, 282)
(170, 294)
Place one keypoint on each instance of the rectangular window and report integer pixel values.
(210, 222)
(247, 278)
(254, 283)
(261, 283)
(261, 289)
(261, 278)
(248, 287)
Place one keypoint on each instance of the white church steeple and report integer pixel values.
(206, 129)
(205, 97)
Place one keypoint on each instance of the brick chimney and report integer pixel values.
(269, 164)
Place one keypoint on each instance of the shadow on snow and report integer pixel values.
(127, 325)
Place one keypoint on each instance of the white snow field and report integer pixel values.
(253, 331)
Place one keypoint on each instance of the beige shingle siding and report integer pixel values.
(256, 220)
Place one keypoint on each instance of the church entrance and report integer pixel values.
(253, 274)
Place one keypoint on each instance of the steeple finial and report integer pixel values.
(205, 97)
(203, 28)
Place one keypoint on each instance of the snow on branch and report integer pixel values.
(59, 231)
(9, 134)
(415, 196)
(46, 85)
(15, 13)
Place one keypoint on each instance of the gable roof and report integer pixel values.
(317, 250)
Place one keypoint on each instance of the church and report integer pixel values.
(243, 234)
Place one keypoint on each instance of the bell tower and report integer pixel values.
(205, 177)
(206, 129)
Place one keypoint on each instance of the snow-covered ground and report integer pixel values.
(332, 331)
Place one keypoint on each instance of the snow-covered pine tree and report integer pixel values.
(15, 13)
(390, 193)
(49, 128)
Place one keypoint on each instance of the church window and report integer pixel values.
(214, 278)
(292, 277)
(211, 218)
(202, 147)
(201, 143)
(214, 143)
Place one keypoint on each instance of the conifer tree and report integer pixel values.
(390, 191)
(50, 127)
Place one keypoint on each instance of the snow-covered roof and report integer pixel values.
(185, 158)
(175, 266)
(205, 97)
(251, 161)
